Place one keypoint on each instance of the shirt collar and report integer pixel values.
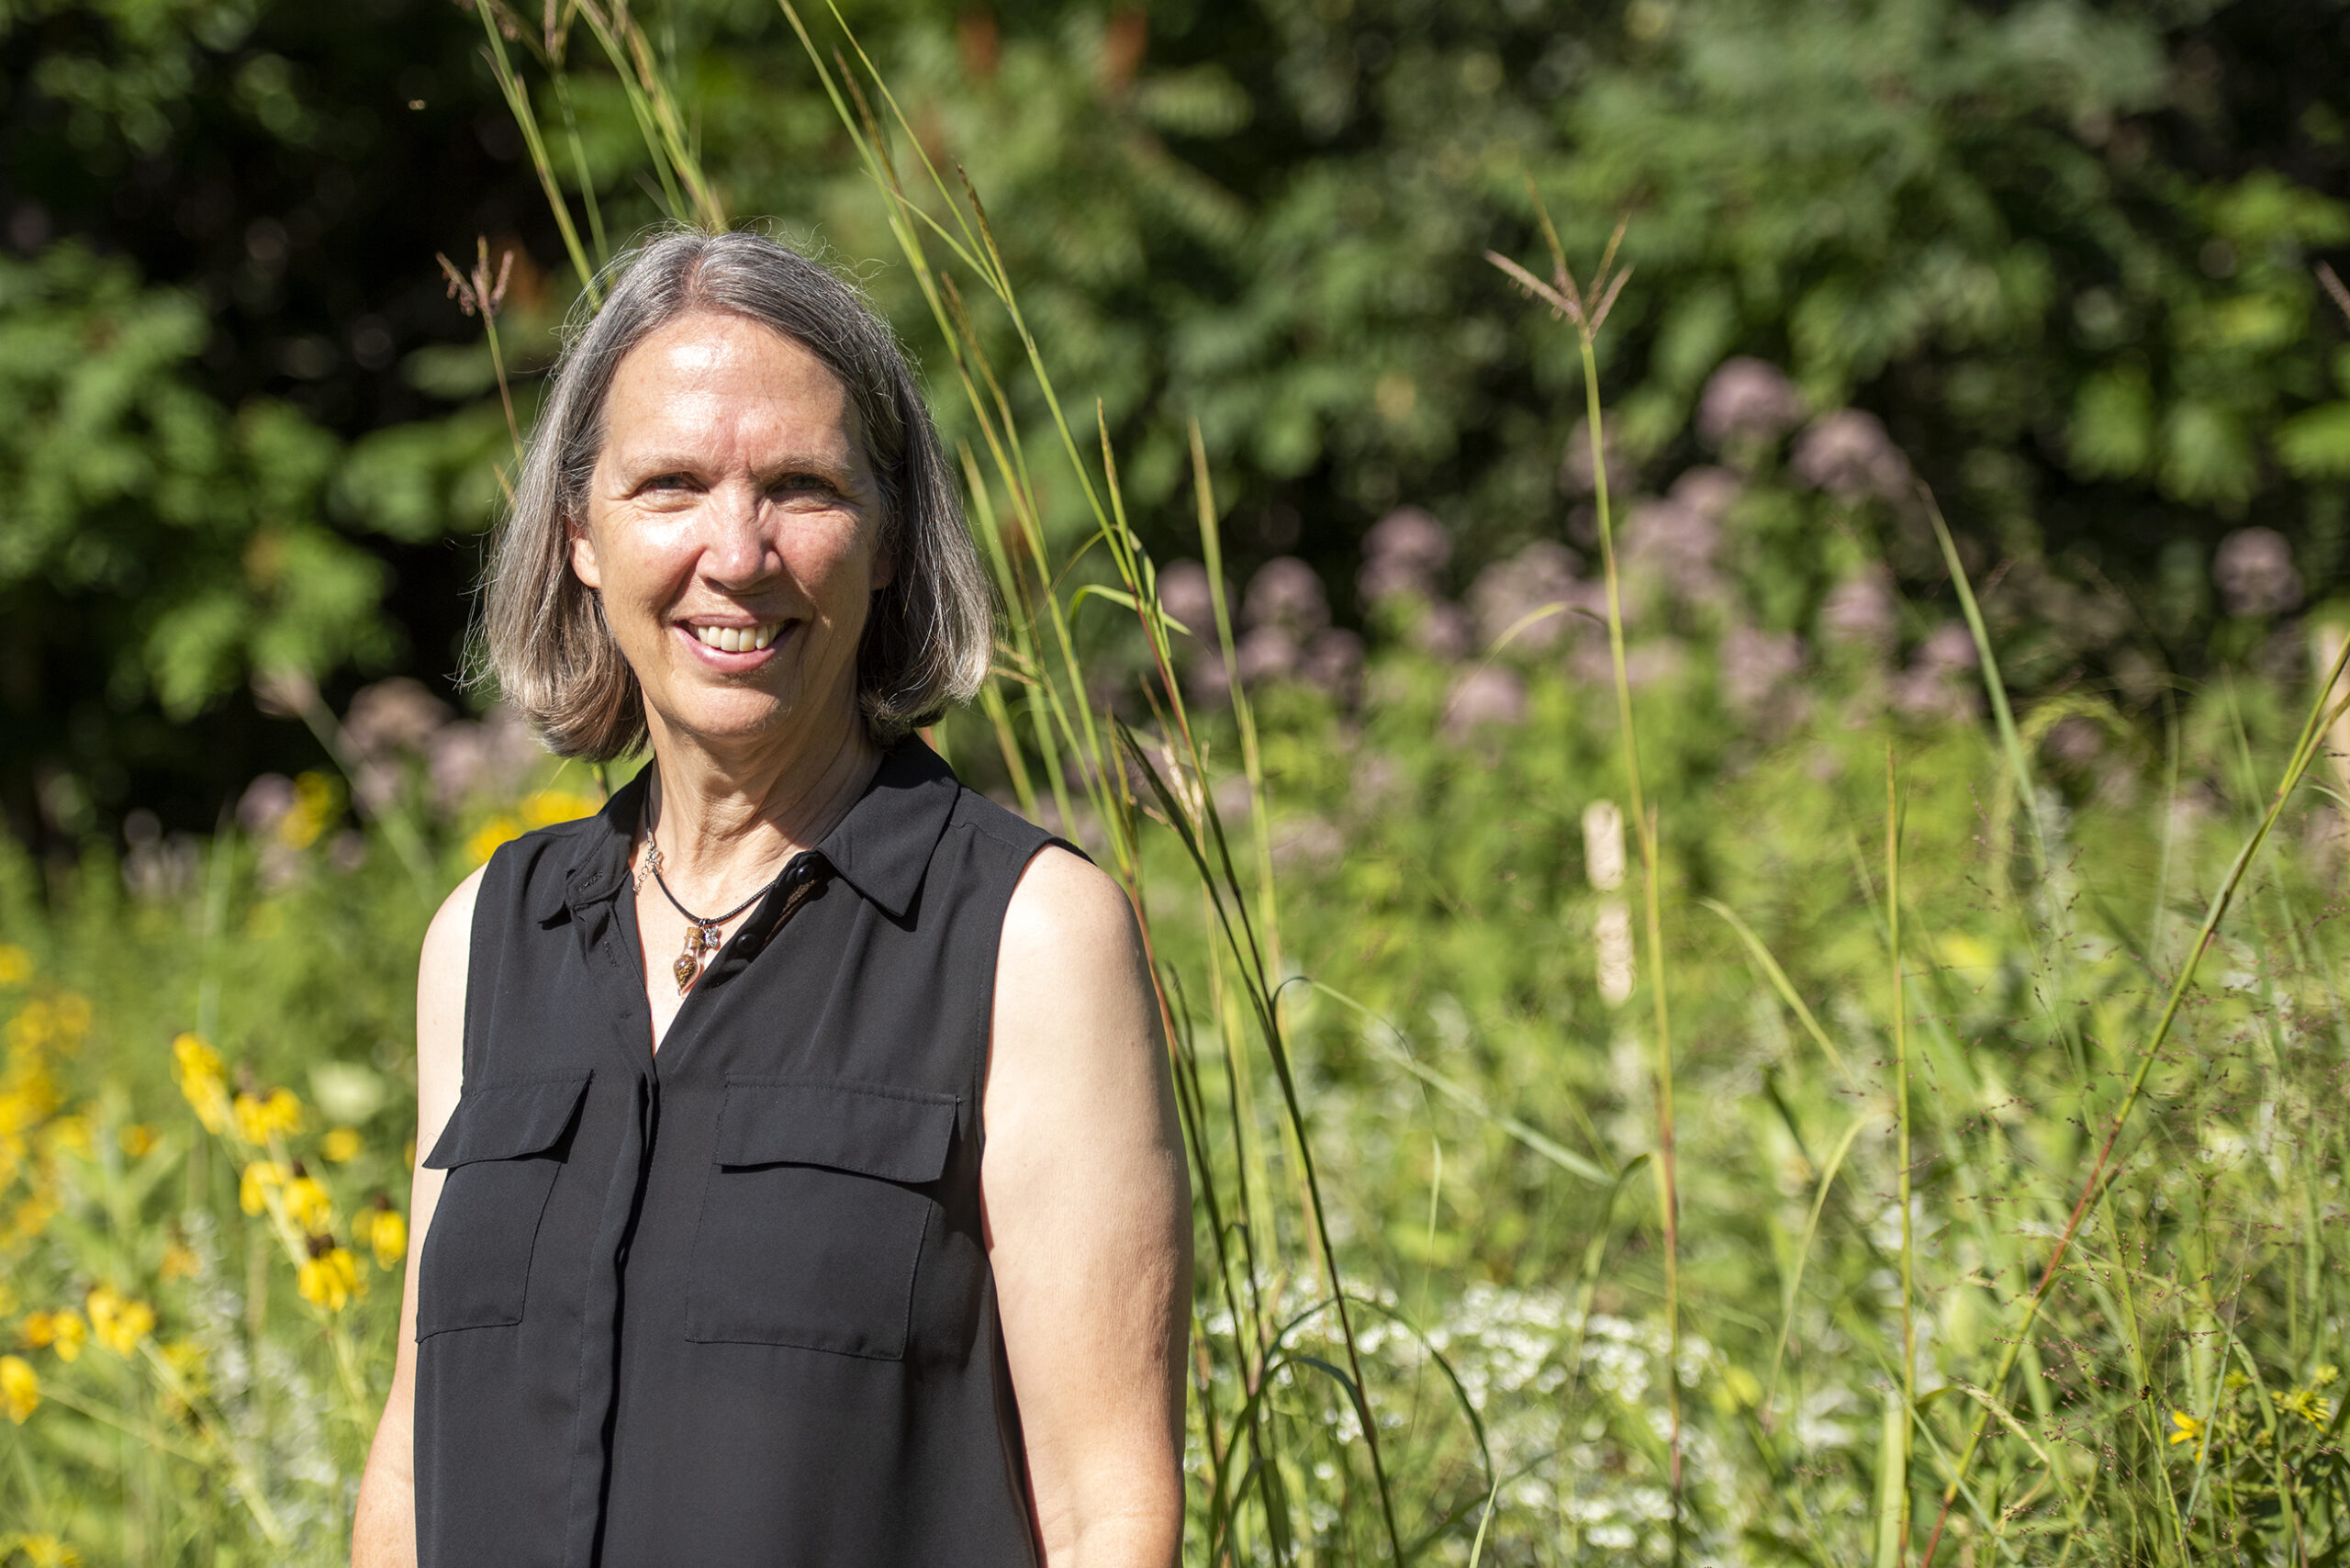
(882, 847)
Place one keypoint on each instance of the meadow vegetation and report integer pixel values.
(1679, 1065)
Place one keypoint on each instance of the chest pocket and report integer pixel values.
(813, 1221)
(503, 1148)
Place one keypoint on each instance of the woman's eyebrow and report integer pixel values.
(829, 469)
(647, 465)
(635, 468)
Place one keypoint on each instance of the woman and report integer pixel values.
(801, 1183)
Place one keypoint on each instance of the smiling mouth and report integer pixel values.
(736, 639)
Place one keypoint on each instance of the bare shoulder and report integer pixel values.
(1077, 1072)
(1066, 910)
(448, 941)
(440, 996)
(1073, 993)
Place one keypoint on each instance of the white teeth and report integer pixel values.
(737, 639)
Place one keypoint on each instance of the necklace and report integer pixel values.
(703, 933)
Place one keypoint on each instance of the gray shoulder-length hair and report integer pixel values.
(931, 630)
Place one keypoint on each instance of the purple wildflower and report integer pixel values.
(1848, 453)
(1748, 403)
(2254, 568)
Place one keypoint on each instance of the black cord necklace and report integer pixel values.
(703, 933)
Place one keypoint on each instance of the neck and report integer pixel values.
(729, 820)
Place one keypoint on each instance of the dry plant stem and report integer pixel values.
(580, 170)
(657, 120)
(1588, 312)
(1668, 1193)
(526, 119)
(481, 295)
(2321, 714)
(2010, 744)
(1901, 1157)
(1212, 547)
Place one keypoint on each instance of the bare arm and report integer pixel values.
(1089, 1216)
(384, 1535)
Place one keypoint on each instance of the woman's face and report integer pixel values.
(732, 531)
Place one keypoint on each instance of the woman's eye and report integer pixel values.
(668, 482)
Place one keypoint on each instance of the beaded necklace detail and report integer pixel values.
(704, 933)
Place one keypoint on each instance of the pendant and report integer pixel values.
(700, 939)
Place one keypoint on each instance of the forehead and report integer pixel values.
(712, 374)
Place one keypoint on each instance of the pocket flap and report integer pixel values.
(898, 1135)
(508, 1120)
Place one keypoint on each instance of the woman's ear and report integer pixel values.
(583, 553)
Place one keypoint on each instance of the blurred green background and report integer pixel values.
(2062, 251)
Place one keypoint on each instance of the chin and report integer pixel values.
(738, 717)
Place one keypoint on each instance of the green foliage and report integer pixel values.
(178, 540)
(2054, 245)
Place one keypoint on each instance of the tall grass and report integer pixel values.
(1996, 1180)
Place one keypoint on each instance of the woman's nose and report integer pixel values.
(735, 546)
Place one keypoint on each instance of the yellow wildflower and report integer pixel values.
(186, 1359)
(255, 1183)
(31, 1217)
(63, 1331)
(383, 1232)
(316, 800)
(179, 1260)
(2188, 1428)
(67, 1131)
(307, 1202)
(196, 1066)
(260, 1116)
(19, 1388)
(16, 964)
(484, 839)
(328, 1278)
(551, 806)
(117, 1321)
(138, 1140)
(52, 1023)
(2305, 1404)
(341, 1145)
(2325, 1375)
(21, 1108)
(48, 1551)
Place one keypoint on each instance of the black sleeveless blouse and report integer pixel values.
(727, 1305)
